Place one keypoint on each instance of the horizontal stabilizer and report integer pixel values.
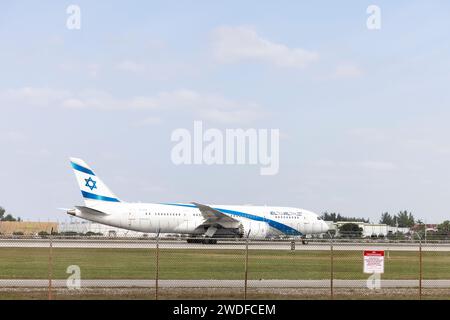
(88, 210)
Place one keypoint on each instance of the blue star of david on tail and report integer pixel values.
(91, 184)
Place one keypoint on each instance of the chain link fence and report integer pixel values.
(56, 267)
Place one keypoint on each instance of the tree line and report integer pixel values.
(335, 217)
(7, 217)
(403, 219)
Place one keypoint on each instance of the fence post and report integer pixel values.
(246, 269)
(331, 270)
(50, 266)
(157, 267)
(420, 270)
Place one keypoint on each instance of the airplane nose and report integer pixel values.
(325, 227)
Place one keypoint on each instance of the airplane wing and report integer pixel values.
(212, 215)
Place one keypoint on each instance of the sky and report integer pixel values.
(363, 114)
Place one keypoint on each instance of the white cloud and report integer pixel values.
(93, 69)
(347, 70)
(369, 164)
(369, 134)
(325, 163)
(131, 66)
(28, 96)
(428, 146)
(205, 106)
(157, 70)
(444, 150)
(73, 103)
(90, 69)
(378, 165)
(12, 136)
(234, 44)
(149, 121)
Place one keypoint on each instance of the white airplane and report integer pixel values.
(194, 219)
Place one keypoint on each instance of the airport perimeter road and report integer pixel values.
(20, 283)
(225, 244)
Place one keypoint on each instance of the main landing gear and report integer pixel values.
(202, 240)
(304, 241)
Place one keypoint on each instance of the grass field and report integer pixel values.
(221, 293)
(32, 263)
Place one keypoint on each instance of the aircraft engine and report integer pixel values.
(257, 229)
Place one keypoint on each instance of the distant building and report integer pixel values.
(368, 229)
(83, 227)
(428, 227)
(76, 226)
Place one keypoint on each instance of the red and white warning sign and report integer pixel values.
(373, 261)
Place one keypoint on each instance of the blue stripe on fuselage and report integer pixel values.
(274, 224)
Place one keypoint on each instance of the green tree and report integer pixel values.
(42, 233)
(338, 217)
(405, 219)
(411, 220)
(9, 218)
(444, 227)
(329, 216)
(387, 219)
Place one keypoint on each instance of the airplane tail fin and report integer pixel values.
(93, 190)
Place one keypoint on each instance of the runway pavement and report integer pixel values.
(225, 244)
(27, 283)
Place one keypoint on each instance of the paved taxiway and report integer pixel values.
(27, 283)
(226, 244)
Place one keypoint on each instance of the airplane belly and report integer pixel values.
(145, 224)
(184, 227)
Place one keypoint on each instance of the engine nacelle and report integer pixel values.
(254, 229)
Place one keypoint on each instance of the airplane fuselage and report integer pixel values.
(253, 221)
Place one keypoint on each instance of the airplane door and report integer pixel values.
(304, 226)
(131, 219)
(307, 226)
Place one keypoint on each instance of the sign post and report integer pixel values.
(373, 261)
(374, 264)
